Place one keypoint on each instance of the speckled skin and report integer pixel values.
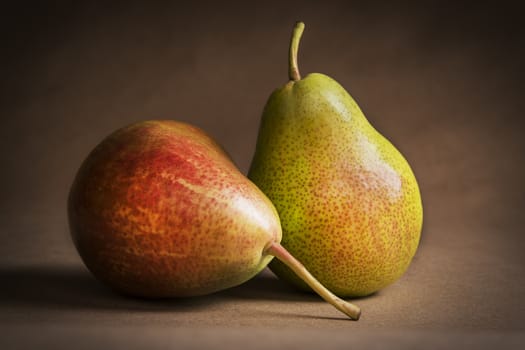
(159, 210)
(349, 203)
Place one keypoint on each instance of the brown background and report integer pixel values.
(443, 82)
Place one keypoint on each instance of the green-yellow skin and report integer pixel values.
(349, 204)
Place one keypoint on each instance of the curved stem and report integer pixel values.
(283, 255)
(293, 68)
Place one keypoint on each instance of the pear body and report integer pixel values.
(348, 201)
(159, 210)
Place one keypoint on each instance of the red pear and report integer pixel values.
(158, 209)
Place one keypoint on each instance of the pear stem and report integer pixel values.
(293, 68)
(283, 255)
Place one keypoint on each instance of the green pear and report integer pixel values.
(158, 209)
(348, 201)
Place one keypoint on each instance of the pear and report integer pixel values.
(158, 209)
(348, 201)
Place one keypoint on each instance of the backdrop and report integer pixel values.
(444, 82)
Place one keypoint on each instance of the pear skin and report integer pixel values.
(349, 203)
(158, 209)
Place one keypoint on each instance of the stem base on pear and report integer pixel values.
(277, 250)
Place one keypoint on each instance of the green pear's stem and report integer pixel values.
(293, 68)
(283, 255)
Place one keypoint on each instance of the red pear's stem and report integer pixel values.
(293, 68)
(283, 255)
